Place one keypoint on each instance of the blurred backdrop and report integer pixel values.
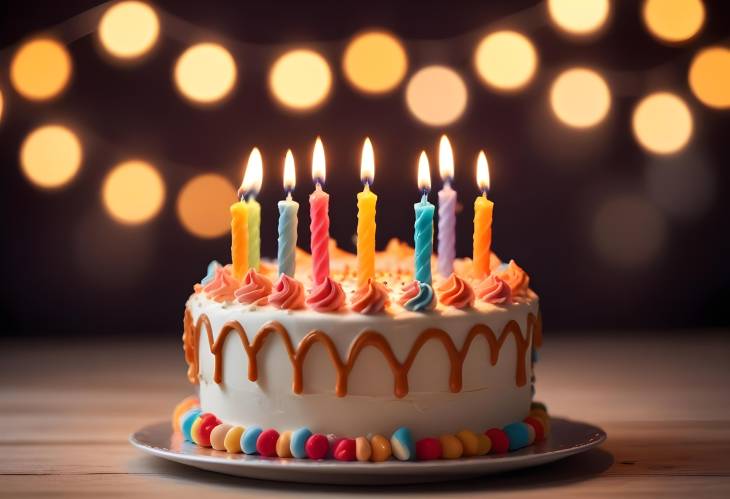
(124, 131)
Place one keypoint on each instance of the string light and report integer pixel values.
(129, 29)
(662, 123)
(205, 73)
(300, 79)
(506, 60)
(133, 192)
(580, 97)
(40, 69)
(50, 156)
(709, 77)
(375, 62)
(579, 17)
(673, 21)
(436, 95)
(203, 205)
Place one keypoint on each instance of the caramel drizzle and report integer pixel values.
(368, 338)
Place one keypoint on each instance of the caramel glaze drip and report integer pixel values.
(191, 340)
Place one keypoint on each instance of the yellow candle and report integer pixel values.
(239, 239)
(251, 185)
(366, 201)
(483, 209)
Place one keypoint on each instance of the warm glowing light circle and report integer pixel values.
(436, 95)
(662, 123)
(2, 105)
(709, 77)
(375, 62)
(203, 205)
(50, 156)
(40, 69)
(300, 79)
(129, 29)
(673, 21)
(133, 192)
(579, 17)
(205, 73)
(580, 97)
(506, 60)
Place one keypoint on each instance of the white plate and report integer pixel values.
(566, 438)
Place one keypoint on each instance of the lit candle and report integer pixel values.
(483, 209)
(239, 238)
(423, 236)
(366, 201)
(447, 210)
(251, 186)
(288, 221)
(320, 220)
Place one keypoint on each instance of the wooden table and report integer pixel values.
(67, 407)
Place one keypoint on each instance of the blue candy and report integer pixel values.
(402, 444)
(298, 442)
(186, 422)
(249, 438)
(518, 434)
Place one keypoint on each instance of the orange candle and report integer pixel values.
(483, 209)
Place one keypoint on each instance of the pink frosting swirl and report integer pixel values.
(456, 292)
(517, 279)
(223, 285)
(371, 298)
(492, 289)
(255, 289)
(327, 296)
(408, 292)
(288, 293)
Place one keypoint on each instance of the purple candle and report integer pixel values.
(447, 211)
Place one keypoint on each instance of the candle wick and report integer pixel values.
(288, 194)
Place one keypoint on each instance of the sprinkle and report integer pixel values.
(266, 443)
(186, 422)
(298, 442)
(283, 445)
(232, 441)
(345, 450)
(518, 434)
(402, 444)
(500, 440)
(218, 436)
(451, 447)
(536, 425)
(428, 449)
(381, 448)
(317, 446)
(469, 441)
(249, 438)
(363, 450)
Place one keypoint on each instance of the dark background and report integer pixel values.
(68, 268)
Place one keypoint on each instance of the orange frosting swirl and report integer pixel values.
(517, 280)
(456, 292)
(492, 289)
(255, 289)
(223, 285)
(288, 293)
(327, 296)
(371, 298)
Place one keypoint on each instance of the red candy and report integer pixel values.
(500, 441)
(317, 446)
(208, 421)
(345, 450)
(537, 425)
(428, 449)
(266, 443)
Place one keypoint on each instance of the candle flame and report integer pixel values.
(424, 173)
(446, 159)
(482, 172)
(367, 162)
(253, 176)
(290, 174)
(318, 163)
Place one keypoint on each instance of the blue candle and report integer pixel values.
(288, 221)
(423, 234)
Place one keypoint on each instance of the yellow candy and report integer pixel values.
(451, 447)
(363, 450)
(469, 441)
(381, 450)
(484, 444)
(232, 442)
(282, 445)
(184, 406)
(538, 413)
(195, 429)
(218, 436)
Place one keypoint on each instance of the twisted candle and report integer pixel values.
(254, 233)
(320, 234)
(288, 222)
(239, 239)
(423, 239)
(365, 235)
(447, 230)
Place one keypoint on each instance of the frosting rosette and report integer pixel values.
(517, 280)
(327, 296)
(288, 293)
(456, 292)
(371, 298)
(417, 297)
(493, 289)
(223, 285)
(255, 289)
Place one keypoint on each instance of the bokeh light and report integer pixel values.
(50, 156)
(579, 17)
(681, 186)
(133, 192)
(300, 79)
(375, 62)
(436, 95)
(205, 73)
(129, 29)
(628, 231)
(673, 21)
(662, 123)
(40, 69)
(580, 97)
(709, 77)
(506, 60)
(2, 105)
(203, 205)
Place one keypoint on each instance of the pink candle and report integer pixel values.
(320, 219)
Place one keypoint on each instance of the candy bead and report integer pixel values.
(538, 406)
(266, 443)
(402, 444)
(381, 449)
(484, 444)
(317, 446)
(184, 406)
(530, 434)
(208, 422)
(249, 438)
(539, 413)
(195, 429)
(451, 447)
(499, 439)
(232, 441)
(332, 441)
(186, 423)
(518, 434)
(363, 450)
(299, 441)
(345, 450)
(283, 445)
(428, 449)
(218, 436)
(469, 441)
(537, 426)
